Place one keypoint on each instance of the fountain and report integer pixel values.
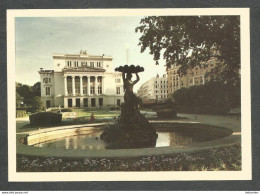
(132, 129)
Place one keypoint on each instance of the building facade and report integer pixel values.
(81, 80)
(154, 90)
(195, 76)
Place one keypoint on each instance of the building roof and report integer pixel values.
(81, 55)
(83, 69)
(45, 71)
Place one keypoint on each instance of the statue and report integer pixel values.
(132, 129)
(129, 96)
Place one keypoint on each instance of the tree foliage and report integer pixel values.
(37, 104)
(208, 95)
(190, 41)
(27, 92)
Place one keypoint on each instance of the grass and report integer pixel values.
(83, 117)
(219, 159)
(99, 113)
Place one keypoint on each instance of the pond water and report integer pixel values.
(93, 142)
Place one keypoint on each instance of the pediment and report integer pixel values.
(83, 69)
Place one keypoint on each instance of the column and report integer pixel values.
(65, 103)
(96, 85)
(203, 79)
(193, 83)
(88, 86)
(73, 85)
(103, 86)
(65, 86)
(81, 85)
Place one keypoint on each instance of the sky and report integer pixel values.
(37, 38)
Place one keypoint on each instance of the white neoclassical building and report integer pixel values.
(81, 80)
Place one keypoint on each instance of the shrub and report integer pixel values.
(166, 114)
(213, 97)
(114, 108)
(20, 113)
(66, 110)
(45, 118)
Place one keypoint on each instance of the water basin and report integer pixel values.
(166, 138)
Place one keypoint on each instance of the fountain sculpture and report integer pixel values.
(132, 129)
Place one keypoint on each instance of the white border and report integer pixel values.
(245, 174)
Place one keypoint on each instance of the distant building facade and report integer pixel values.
(195, 76)
(154, 90)
(81, 80)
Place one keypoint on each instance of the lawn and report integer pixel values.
(98, 113)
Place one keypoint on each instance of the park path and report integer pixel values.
(230, 122)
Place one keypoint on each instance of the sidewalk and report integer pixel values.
(230, 122)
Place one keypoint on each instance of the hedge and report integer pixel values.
(45, 118)
(66, 110)
(114, 108)
(20, 113)
(213, 97)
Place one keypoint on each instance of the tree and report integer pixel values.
(190, 41)
(37, 104)
(36, 89)
(25, 92)
(18, 99)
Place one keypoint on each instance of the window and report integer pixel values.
(92, 90)
(99, 79)
(99, 89)
(91, 64)
(201, 79)
(85, 102)
(118, 80)
(48, 91)
(117, 90)
(45, 80)
(85, 89)
(49, 80)
(181, 83)
(118, 102)
(191, 80)
(98, 64)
